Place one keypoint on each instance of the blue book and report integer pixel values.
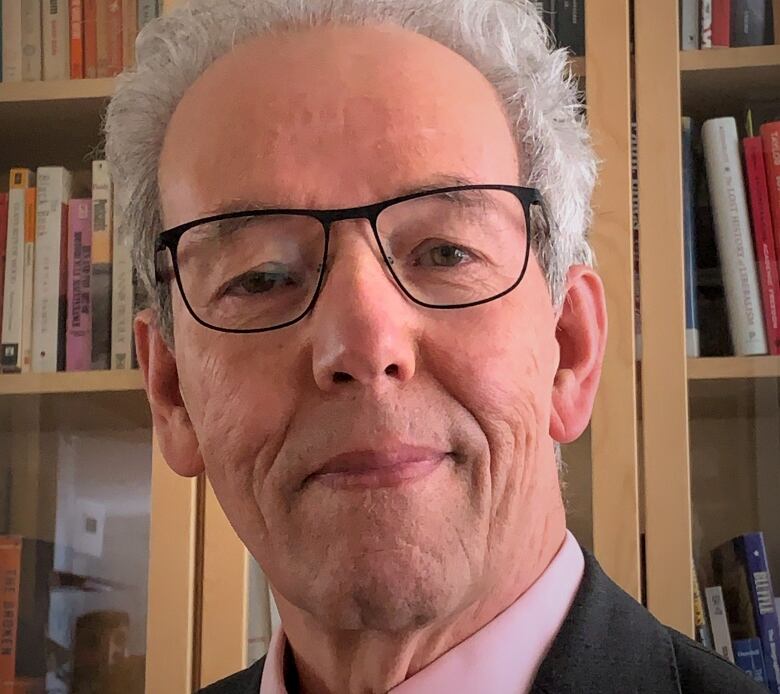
(748, 657)
(740, 566)
(689, 240)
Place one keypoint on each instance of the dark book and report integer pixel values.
(749, 22)
(570, 25)
(547, 10)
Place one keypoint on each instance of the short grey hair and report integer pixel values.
(505, 39)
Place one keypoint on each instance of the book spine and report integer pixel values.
(32, 60)
(13, 291)
(721, 23)
(763, 600)
(79, 340)
(76, 39)
(635, 238)
(748, 22)
(689, 25)
(121, 298)
(129, 31)
(768, 271)
(147, 10)
(30, 222)
(721, 635)
(570, 21)
(703, 633)
(689, 239)
(732, 232)
(748, 657)
(3, 242)
(705, 20)
(56, 40)
(103, 36)
(100, 283)
(12, 40)
(10, 578)
(90, 39)
(50, 276)
(115, 38)
(770, 136)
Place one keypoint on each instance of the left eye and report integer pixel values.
(444, 255)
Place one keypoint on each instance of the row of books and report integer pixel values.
(70, 39)
(66, 281)
(740, 621)
(741, 199)
(566, 21)
(723, 23)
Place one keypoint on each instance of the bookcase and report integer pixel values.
(710, 459)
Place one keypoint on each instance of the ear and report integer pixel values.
(581, 333)
(172, 425)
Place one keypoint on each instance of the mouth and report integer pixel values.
(370, 469)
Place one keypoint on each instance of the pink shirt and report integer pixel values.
(504, 656)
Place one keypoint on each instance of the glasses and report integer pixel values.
(259, 270)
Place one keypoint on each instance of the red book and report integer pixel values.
(766, 254)
(770, 135)
(115, 38)
(721, 23)
(90, 38)
(3, 243)
(78, 347)
(76, 39)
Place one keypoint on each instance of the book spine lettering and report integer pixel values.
(705, 19)
(79, 340)
(30, 222)
(56, 40)
(32, 60)
(100, 283)
(719, 622)
(76, 39)
(748, 22)
(10, 577)
(770, 136)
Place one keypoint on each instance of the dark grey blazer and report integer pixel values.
(608, 644)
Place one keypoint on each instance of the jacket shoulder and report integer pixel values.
(244, 682)
(703, 670)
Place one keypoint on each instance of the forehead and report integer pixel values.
(332, 116)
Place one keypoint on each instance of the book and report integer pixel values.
(570, 25)
(78, 348)
(100, 282)
(56, 39)
(121, 297)
(25, 565)
(32, 58)
(689, 25)
(109, 38)
(740, 567)
(733, 235)
(3, 241)
(76, 39)
(129, 31)
(705, 24)
(547, 10)
(721, 23)
(748, 657)
(147, 10)
(90, 38)
(761, 220)
(689, 241)
(12, 40)
(20, 179)
(51, 269)
(770, 137)
(716, 609)
(30, 229)
(748, 22)
(702, 627)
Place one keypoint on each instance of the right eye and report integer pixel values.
(256, 282)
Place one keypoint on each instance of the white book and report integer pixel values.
(56, 39)
(13, 290)
(721, 635)
(733, 235)
(32, 61)
(121, 297)
(12, 40)
(689, 25)
(705, 24)
(49, 310)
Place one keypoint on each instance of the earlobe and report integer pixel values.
(581, 333)
(173, 428)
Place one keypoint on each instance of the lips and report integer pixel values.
(379, 468)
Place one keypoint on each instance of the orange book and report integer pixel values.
(90, 38)
(770, 136)
(10, 572)
(76, 39)
(129, 31)
(109, 38)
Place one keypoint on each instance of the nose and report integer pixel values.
(363, 328)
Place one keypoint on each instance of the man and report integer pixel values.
(373, 318)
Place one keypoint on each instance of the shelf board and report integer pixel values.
(721, 81)
(100, 88)
(71, 382)
(716, 368)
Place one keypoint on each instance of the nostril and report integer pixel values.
(341, 377)
(392, 370)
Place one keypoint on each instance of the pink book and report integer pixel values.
(78, 348)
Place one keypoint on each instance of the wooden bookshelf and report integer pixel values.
(71, 382)
(711, 368)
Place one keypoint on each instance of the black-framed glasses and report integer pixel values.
(259, 270)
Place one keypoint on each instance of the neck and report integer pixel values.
(331, 660)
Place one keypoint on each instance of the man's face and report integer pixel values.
(458, 402)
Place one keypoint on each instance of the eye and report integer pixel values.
(257, 282)
(443, 255)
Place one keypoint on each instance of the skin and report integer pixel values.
(372, 583)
